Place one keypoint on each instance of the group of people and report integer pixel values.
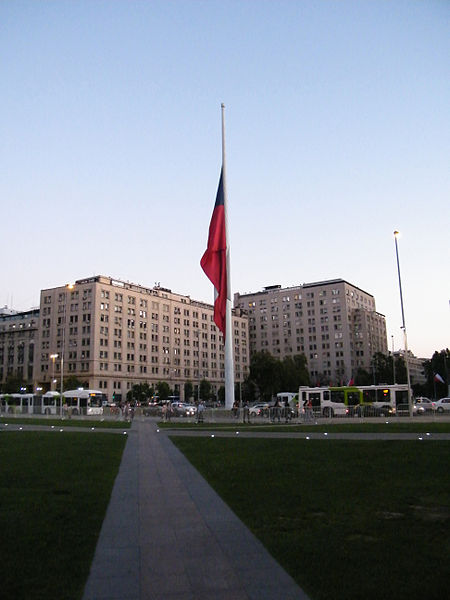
(276, 412)
(236, 410)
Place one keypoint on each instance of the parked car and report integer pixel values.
(442, 405)
(259, 410)
(423, 405)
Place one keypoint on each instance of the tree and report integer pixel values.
(163, 390)
(293, 373)
(383, 372)
(188, 390)
(249, 391)
(269, 375)
(140, 392)
(221, 394)
(13, 384)
(438, 365)
(73, 383)
(265, 373)
(205, 390)
(363, 377)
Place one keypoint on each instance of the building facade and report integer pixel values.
(18, 339)
(112, 334)
(333, 323)
(415, 365)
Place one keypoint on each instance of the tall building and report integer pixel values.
(334, 323)
(18, 339)
(113, 334)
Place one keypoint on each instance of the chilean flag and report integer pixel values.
(214, 260)
(438, 378)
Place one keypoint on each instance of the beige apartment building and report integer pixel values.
(334, 323)
(18, 344)
(113, 334)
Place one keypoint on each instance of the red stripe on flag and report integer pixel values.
(214, 260)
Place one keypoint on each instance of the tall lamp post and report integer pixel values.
(53, 357)
(396, 234)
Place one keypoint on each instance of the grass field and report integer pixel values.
(58, 422)
(348, 520)
(356, 426)
(54, 491)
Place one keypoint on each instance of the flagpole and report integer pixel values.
(229, 360)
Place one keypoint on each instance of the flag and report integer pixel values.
(214, 260)
(438, 378)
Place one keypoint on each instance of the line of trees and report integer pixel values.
(382, 371)
(439, 364)
(269, 375)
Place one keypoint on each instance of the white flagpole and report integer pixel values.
(229, 337)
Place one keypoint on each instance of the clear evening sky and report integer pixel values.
(337, 132)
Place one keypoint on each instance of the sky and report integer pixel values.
(337, 133)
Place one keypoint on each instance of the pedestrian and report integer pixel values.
(309, 411)
(246, 413)
(200, 411)
(235, 409)
(276, 411)
(287, 411)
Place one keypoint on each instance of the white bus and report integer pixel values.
(20, 404)
(362, 400)
(84, 402)
(51, 404)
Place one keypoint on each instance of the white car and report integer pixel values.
(442, 405)
(423, 405)
(259, 410)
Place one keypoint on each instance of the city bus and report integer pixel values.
(84, 402)
(51, 404)
(363, 400)
(20, 404)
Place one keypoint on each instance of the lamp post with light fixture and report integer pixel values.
(396, 234)
(53, 357)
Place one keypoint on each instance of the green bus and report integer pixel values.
(362, 400)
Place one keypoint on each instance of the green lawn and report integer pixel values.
(356, 426)
(54, 491)
(58, 422)
(348, 520)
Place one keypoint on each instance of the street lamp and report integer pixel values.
(53, 357)
(396, 234)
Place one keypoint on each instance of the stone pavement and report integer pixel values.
(168, 536)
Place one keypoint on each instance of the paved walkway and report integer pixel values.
(168, 536)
